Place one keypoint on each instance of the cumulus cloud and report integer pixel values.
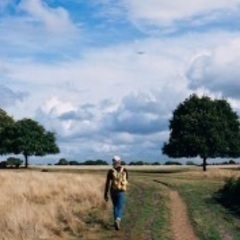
(55, 108)
(67, 119)
(137, 114)
(107, 127)
(217, 71)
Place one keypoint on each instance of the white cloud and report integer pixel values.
(218, 71)
(111, 73)
(138, 114)
(54, 19)
(37, 30)
(107, 73)
(56, 108)
(136, 124)
(164, 12)
(113, 99)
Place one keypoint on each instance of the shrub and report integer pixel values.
(14, 162)
(229, 195)
(62, 161)
(3, 164)
(172, 163)
(190, 163)
(232, 162)
(94, 162)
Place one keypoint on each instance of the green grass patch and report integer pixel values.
(147, 215)
(211, 220)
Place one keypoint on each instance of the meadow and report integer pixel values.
(66, 203)
(40, 205)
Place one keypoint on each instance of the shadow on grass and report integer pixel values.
(101, 223)
(227, 202)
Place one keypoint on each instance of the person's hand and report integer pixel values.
(106, 198)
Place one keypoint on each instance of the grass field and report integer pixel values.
(67, 203)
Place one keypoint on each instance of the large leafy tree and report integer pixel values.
(31, 139)
(203, 127)
(6, 122)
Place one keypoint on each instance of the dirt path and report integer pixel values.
(181, 226)
(180, 223)
(144, 219)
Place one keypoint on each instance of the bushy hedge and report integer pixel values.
(229, 195)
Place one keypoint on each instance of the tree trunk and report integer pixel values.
(204, 164)
(26, 160)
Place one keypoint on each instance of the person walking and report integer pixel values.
(116, 184)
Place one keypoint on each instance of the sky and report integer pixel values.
(106, 75)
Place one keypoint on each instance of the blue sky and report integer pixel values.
(106, 75)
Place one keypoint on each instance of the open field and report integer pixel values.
(163, 202)
(134, 167)
(37, 205)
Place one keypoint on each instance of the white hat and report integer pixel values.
(116, 158)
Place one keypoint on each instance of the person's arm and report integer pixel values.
(107, 186)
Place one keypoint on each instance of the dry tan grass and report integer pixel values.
(39, 205)
(212, 173)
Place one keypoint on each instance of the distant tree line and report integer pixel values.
(63, 161)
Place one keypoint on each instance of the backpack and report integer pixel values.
(119, 181)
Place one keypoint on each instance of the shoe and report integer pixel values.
(117, 224)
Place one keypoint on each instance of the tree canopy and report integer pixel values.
(5, 123)
(203, 127)
(29, 138)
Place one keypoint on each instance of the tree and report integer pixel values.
(6, 123)
(16, 162)
(203, 127)
(73, 162)
(94, 162)
(231, 162)
(172, 163)
(62, 161)
(156, 163)
(31, 139)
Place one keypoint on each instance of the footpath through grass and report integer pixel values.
(210, 220)
(146, 215)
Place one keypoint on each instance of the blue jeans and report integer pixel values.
(118, 199)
